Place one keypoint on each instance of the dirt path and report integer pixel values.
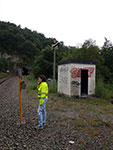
(89, 125)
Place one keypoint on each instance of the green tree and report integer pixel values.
(107, 53)
(43, 63)
(3, 65)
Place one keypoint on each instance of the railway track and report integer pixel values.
(3, 80)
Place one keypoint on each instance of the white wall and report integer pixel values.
(64, 79)
(91, 83)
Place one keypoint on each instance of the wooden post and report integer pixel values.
(20, 95)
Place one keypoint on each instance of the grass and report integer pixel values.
(91, 131)
(94, 100)
(31, 86)
(86, 115)
(31, 83)
(2, 75)
(84, 104)
(108, 109)
(79, 123)
(91, 126)
(97, 122)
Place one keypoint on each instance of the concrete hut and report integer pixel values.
(76, 78)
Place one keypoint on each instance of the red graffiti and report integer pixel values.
(76, 72)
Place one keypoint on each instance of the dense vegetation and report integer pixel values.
(34, 49)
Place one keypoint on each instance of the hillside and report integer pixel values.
(33, 49)
(23, 43)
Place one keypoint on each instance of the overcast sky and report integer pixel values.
(71, 21)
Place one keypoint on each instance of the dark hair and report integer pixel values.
(43, 77)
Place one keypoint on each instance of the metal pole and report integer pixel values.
(20, 94)
(54, 47)
(20, 98)
(54, 67)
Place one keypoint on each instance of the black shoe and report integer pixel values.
(44, 124)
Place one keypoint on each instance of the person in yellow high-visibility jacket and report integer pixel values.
(43, 97)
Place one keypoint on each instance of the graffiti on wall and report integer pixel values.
(63, 79)
(76, 72)
(64, 69)
(75, 84)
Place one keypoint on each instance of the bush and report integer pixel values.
(3, 65)
(103, 90)
(28, 77)
(3, 75)
(31, 86)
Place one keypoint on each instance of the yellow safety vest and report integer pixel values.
(42, 92)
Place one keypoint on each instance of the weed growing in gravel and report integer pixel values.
(97, 122)
(108, 109)
(81, 147)
(95, 101)
(31, 94)
(79, 123)
(93, 122)
(58, 104)
(106, 123)
(90, 108)
(67, 117)
(80, 108)
(93, 132)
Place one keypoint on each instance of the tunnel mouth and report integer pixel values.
(25, 71)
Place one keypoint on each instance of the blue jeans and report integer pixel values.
(42, 113)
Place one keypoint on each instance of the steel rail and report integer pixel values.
(3, 80)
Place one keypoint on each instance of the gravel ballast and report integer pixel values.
(69, 124)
